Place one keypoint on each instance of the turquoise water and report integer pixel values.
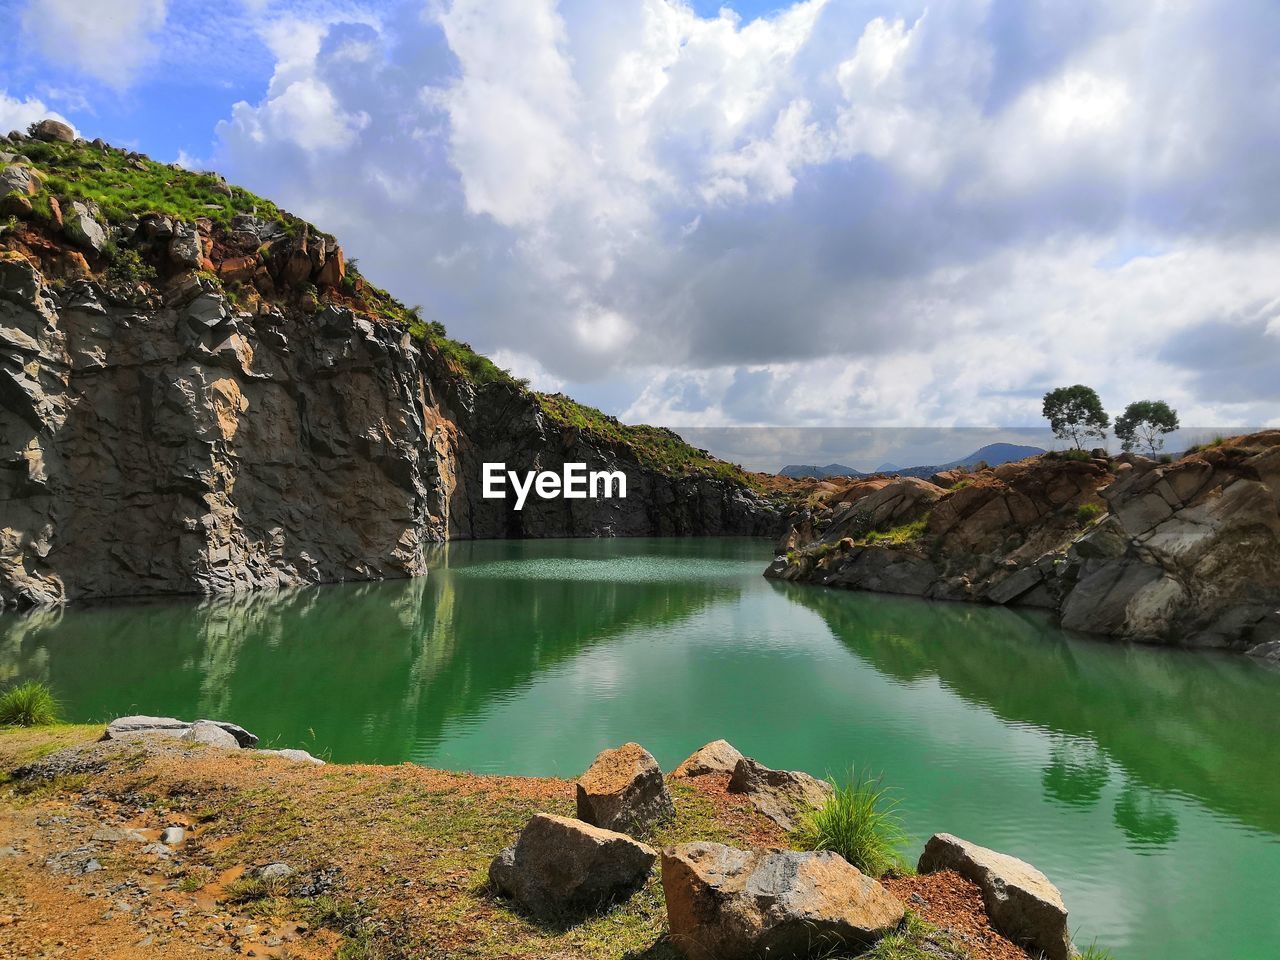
(1145, 782)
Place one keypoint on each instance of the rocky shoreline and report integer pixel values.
(1184, 553)
(158, 810)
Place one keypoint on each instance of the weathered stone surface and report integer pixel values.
(562, 868)
(217, 733)
(1021, 901)
(20, 179)
(53, 130)
(233, 413)
(83, 227)
(623, 790)
(184, 248)
(719, 756)
(202, 731)
(1188, 553)
(784, 796)
(728, 904)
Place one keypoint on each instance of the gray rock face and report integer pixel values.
(623, 790)
(172, 836)
(1186, 553)
(784, 796)
(19, 178)
(216, 733)
(728, 904)
(160, 448)
(202, 731)
(1023, 905)
(719, 756)
(562, 868)
(82, 226)
(184, 248)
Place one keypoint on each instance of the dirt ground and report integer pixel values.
(384, 862)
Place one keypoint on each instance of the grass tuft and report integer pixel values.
(1086, 513)
(860, 822)
(1095, 952)
(30, 704)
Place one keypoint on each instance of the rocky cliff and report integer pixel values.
(1184, 553)
(199, 394)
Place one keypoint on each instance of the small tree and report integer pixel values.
(1145, 422)
(1075, 414)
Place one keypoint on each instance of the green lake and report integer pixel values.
(1144, 781)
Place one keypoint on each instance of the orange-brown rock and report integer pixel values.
(240, 269)
(730, 904)
(334, 269)
(623, 790)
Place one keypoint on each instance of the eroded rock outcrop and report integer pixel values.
(730, 904)
(1185, 553)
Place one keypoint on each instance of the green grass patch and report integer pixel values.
(30, 704)
(122, 187)
(903, 533)
(1095, 952)
(657, 447)
(1086, 513)
(917, 939)
(860, 822)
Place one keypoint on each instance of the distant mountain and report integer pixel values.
(804, 470)
(993, 454)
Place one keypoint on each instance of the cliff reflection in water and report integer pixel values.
(367, 672)
(1176, 721)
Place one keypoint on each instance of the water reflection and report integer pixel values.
(1175, 721)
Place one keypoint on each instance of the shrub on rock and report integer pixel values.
(623, 790)
(729, 904)
(562, 869)
(1021, 901)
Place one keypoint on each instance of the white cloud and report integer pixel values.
(816, 216)
(19, 114)
(110, 42)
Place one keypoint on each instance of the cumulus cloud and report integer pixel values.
(19, 114)
(110, 42)
(819, 216)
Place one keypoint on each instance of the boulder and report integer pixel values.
(623, 790)
(1023, 905)
(127, 728)
(729, 904)
(53, 130)
(202, 731)
(562, 868)
(719, 756)
(81, 226)
(784, 796)
(20, 179)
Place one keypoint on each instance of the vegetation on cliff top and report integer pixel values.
(658, 446)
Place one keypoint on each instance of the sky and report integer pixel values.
(830, 213)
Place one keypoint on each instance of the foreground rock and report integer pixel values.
(1185, 553)
(1021, 901)
(623, 790)
(729, 904)
(719, 756)
(784, 796)
(218, 733)
(561, 869)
